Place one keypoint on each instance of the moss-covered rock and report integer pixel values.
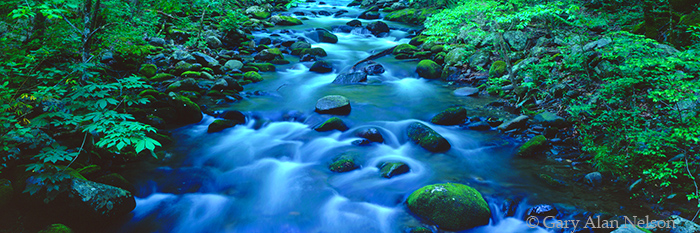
(550, 119)
(428, 69)
(116, 180)
(6, 192)
(326, 36)
(456, 57)
(90, 170)
(334, 123)
(285, 20)
(404, 48)
(161, 77)
(498, 68)
(252, 76)
(450, 116)
(219, 125)
(427, 138)
(185, 111)
(148, 70)
(269, 54)
(260, 14)
(191, 74)
(532, 146)
(418, 40)
(391, 169)
(450, 206)
(56, 228)
(344, 163)
(410, 15)
(263, 67)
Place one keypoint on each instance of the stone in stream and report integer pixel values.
(467, 91)
(220, 125)
(532, 146)
(593, 179)
(542, 210)
(351, 78)
(516, 123)
(308, 57)
(333, 104)
(479, 125)
(205, 59)
(377, 28)
(371, 134)
(269, 55)
(369, 15)
(233, 65)
(354, 23)
(334, 123)
(300, 45)
(450, 206)
(284, 20)
(322, 35)
(404, 48)
(391, 169)
(450, 116)
(321, 67)
(428, 69)
(344, 163)
(427, 138)
(373, 69)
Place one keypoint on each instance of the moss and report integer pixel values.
(252, 76)
(418, 40)
(334, 123)
(427, 138)
(450, 116)
(391, 169)
(428, 69)
(450, 206)
(161, 77)
(220, 125)
(311, 51)
(261, 14)
(89, 170)
(263, 66)
(288, 20)
(187, 112)
(148, 70)
(191, 74)
(498, 68)
(150, 92)
(343, 163)
(56, 228)
(532, 146)
(404, 48)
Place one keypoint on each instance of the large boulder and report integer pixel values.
(404, 48)
(99, 200)
(428, 69)
(220, 125)
(427, 138)
(371, 134)
(516, 39)
(450, 116)
(333, 104)
(233, 65)
(148, 70)
(681, 225)
(350, 78)
(184, 110)
(450, 206)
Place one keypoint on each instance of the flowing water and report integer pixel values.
(271, 174)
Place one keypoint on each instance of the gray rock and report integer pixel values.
(159, 42)
(96, 199)
(479, 125)
(333, 104)
(479, 59)
(518, 122)
(350, 78)
(597, 44)
(516, 39)
(682, 225)
(467, 91)
(213, 42)
(550, 119)
(233, 65)
(378, 27)
(180, 55)
(205, 59)
(594, 179)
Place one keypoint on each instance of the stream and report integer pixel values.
(271, 174)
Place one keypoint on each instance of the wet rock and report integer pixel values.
(116, 180)
(377, 28)
(391, 169)
(427, 138)
(322, 67)
(233, 115)
(479, 125)
(550, 119)
(308, 57)
(213, 42)
(342, 28)
(373, 69)
(516, 123)
(343, 163)
(371, 134)
(322, 35)
(549, 180)
(332, 124)
(361, 142)
(220, 125)
(185, 111)
(594, 179)
(324, 13)
(263, 67)
(269, 55)
(205, 59)
(450, 206)
(354, 23)
(450, 116)
(89, 198)
(56, 228)
(532, 146)
(252, 76)
(404, 48)
(333, 104)
(369, 15)
(467, 91)
(300, 45)
(232, 84)
(542, 211)
(6, 192)
(428, 69)
(148, 70)
(233, 65)
(351, 78)
(285, 20)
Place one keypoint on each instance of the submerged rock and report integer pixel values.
(450, 116)
(450, 206)
(466, 91)
(333, 104)
(351, 78)
(378, 27)
(332, 124)
(427, 138)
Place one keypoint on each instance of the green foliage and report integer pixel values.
(233, 20)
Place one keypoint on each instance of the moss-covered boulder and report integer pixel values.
(391, 169)
(427, 138)
(263, 67)
(326, 36)
(550, 119)
(344, 163)
(220, 125)
(159, 77)
(320, 52)
(185, 111)
(99, 200)
(56, 228)
(450, 206)
(410, 15)
(333, 104)
(532, 146)
(428, 69)
(6, 192)
(404, 48)
(498, 68)
(450, 116)
(418, 40)
(148, 70)
(456, 57)
(191, 74)
(333, 123)
(285, 20)
(252, 76)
